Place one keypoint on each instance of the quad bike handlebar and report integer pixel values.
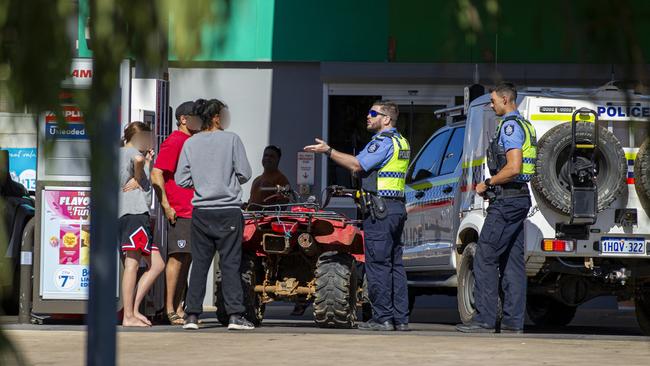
(292, 196)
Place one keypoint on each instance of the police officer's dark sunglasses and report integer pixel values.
(373, 113)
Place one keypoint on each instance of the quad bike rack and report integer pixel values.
(583, 171)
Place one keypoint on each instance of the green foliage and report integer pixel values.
(37, 44)
(34, 50)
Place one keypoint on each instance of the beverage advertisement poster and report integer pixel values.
(65, 243)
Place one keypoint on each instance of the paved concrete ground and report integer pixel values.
(287, 348)
(599, 335)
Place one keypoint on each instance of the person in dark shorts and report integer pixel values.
(214, 162)
(176, 203)
(135, 223)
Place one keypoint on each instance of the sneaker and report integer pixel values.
(238, 322)
(191, 322)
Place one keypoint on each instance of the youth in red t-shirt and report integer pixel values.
(177, 205)
(179, 198)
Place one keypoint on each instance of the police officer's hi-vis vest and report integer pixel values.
(390, 180)
(496, 154)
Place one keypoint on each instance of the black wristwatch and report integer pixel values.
(487, 183)
(329, 151)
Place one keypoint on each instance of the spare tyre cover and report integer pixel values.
(552, 177)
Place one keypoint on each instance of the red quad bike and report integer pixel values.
(301, 253)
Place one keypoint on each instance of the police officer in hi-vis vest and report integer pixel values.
(382, 166)
(500, 250)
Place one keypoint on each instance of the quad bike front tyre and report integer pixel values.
(335, 301)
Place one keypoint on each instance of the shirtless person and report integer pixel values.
(271, 177)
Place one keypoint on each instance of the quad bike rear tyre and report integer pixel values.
(364, 297)
(251, 268)
(335, 302)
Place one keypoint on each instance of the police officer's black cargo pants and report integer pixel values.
(500, 252)
(387, 285)
(216, 230)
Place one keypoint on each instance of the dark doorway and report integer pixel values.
(347, 131)
(347, 128)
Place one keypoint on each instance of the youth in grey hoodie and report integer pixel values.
(215, 164)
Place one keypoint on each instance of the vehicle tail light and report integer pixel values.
(284, 227)
(557, 245)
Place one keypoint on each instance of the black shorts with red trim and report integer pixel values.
(135, 233)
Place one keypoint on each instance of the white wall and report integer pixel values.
(17, 130)
(246, 92)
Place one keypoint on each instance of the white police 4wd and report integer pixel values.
(570, 259)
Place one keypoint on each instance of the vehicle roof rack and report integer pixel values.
(454, 111)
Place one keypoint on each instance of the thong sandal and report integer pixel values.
(175, 319)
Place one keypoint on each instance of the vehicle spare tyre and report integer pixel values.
(642, 173)
(552, 177)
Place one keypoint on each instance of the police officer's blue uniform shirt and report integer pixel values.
(377, 152)
(512, 135)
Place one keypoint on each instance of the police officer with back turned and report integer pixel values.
(382, 166)
(500, 249)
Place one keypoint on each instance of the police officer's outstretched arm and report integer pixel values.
(347, 161)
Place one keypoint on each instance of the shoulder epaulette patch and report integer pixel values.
(373, 147)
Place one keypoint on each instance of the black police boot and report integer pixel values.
(475, 327)
(510, 330)
(404, 327)
(376, 326)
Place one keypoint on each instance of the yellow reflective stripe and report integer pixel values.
(426, 185)
(395, 164)
(473, 163)
(391, 182)
(585, 146)
(561, 117)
